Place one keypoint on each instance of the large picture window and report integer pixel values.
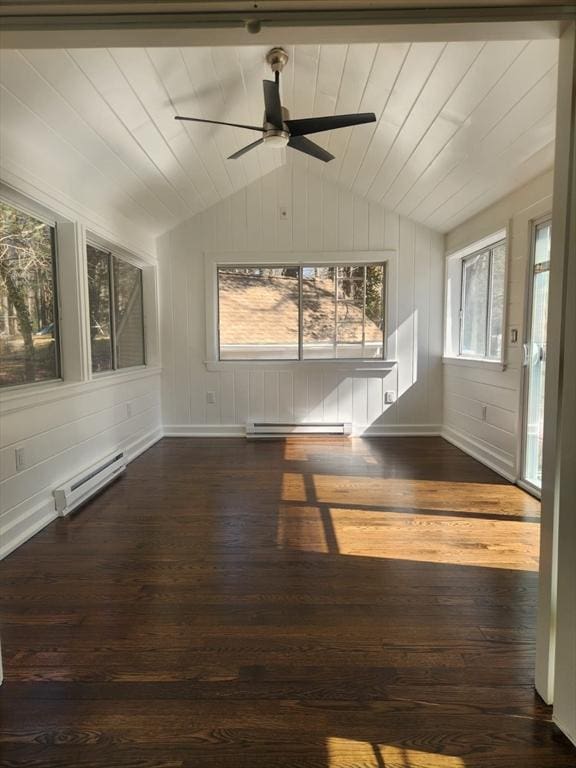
(116, 311)
(287, 312)
(28, 315)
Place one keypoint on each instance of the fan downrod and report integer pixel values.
(277, 58)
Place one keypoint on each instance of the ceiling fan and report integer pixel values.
(278, 130)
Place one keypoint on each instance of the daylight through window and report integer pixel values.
(482, 303)
(28, 317)
(287, 312)
(116, 311)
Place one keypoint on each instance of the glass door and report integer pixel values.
(535, 357)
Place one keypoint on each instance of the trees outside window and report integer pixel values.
(293, 313)
(28, 317)
(116, 311)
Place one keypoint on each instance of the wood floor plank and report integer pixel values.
(309, 603)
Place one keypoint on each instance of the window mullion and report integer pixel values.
(56, 305)
(335, 342)
(488, 306)
(112, 292)
(462, 306)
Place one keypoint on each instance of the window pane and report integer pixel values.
(343, 311)
(258, 313)
(28, 331)
(542, 249)
(375, 317)
(318, 312)
(497, 302)
(99, 299)
(475, 304)
(128, 314)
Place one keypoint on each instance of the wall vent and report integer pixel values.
(82, 487)
(275, 430)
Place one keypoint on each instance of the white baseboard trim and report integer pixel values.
(565, 730)
(205, 430)
(142, 444)
(27, 525)
(485, 454)
(239, 430)
(398, 430)
(40, 513)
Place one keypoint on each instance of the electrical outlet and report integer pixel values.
(20, 459)
(513, 335)
(128, 410)
(390, 397)
(211, 398)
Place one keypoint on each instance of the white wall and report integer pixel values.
(469, 388)
(321, 217)
(67, 426)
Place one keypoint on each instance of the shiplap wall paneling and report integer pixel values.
(321, 216)
(62, 439)
(483, 407)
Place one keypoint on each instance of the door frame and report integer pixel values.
(524, 387)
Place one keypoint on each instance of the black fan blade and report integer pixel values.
(302, 144)
(319, 124)
(218, 122)
(273, 107)
(245, 149)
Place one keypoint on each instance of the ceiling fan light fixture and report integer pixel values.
(276, 139)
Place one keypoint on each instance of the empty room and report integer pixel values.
(287, 402)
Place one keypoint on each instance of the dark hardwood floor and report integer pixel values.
(315, 603)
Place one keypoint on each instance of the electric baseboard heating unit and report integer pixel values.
(271, 431)
(83, 486)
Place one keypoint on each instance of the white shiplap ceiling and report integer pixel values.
(459, 124)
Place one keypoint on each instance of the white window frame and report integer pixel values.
(454, 302)
(29, 207)
(72, 302)
(316, 259)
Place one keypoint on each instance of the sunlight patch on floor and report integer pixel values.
(401, 536)
(421, 494)
(347, 752)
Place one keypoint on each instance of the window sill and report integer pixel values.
(473, 362)
(30, 395)
(275, 365)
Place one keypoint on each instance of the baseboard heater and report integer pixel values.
(275, 430)
(82, 487)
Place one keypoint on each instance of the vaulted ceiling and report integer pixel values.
(459, 125)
